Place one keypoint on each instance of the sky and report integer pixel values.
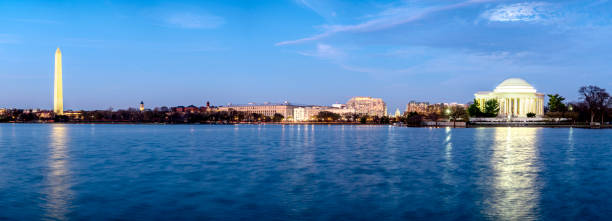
(169, 53)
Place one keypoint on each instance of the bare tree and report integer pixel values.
(434, 116)
(596, 99)
(458, 112)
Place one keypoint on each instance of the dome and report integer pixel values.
(514, 85)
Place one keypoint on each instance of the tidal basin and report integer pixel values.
(303, 172)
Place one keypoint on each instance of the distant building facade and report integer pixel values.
(268, 110)
(418, 107)
(425, 108)
(309, 113)
(397, 113)
(368, 105)
(516, 98)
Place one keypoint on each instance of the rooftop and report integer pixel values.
(514, 85)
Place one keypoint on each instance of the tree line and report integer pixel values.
(175, 117)
(594, 106)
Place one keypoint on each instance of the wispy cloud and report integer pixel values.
(193, 21)
(326, 52)
(36, 21)
(338, 57)
(8, 39)
(387, 19)
(520, 12)
(318, 7)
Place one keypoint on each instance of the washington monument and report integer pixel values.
(58, 91)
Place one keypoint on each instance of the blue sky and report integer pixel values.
(117, 53)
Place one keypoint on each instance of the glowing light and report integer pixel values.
(58, 91)
(515, 98)
(58, 193)
(515, 194)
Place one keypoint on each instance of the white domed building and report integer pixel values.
(516, 98)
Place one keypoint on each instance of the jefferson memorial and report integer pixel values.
(516, 98)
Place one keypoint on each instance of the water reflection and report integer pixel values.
(514, 192)
(448, 155)
(571, 159)
(58, 192)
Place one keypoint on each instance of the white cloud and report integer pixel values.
(321, 7)
(194, 21)
(387, 19)
(520, 12)
(327, 52)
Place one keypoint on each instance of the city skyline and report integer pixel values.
(318, 52)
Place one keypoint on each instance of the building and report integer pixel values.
(44, 114)
(342, 111)
(309, 113)
(191, 109)
(425, 108)
(301, 114)
(368, 105)
(178, 109)
(397, 113)
(341, 106)
(418, 107)
(516, 98)
(266, 109)
(141, 106)
(58, 90)
(74, 114)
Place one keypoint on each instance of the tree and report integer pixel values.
(413, 118)
(385, 120)
(596, 100)
(491, 108)
(555, 103)
(277, 117)
(434, 116)
(327, 116)
(531, 115)
(363, 119)
(474, 109)
(458, 112)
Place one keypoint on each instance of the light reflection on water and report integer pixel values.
(515, 195)
(303, 172)
(58, 193)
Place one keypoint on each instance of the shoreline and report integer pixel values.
(583, 126)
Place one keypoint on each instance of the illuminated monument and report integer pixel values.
(58, 91)
(516, 98)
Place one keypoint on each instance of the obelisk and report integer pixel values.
(58, 91)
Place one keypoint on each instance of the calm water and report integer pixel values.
(170, 172)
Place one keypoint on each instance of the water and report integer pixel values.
(273, 172)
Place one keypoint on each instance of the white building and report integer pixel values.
(516, 98)
(368, 105)
(309, 113)
(266, 109)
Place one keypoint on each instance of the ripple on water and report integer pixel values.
(302, 172)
